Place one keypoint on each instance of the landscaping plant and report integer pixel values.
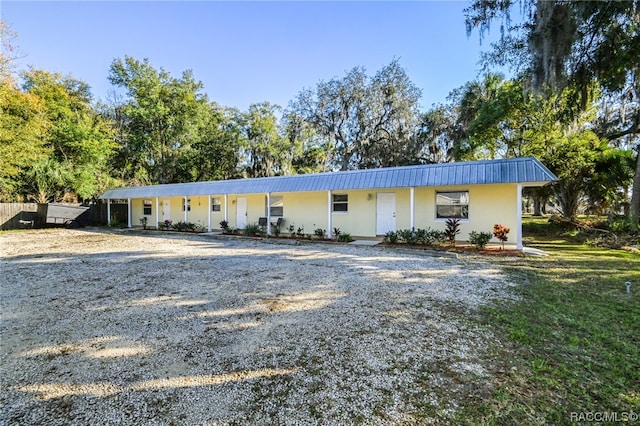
(452, 229)
(479, 239)
(500, 232)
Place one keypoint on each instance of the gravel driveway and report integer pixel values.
(163, 328)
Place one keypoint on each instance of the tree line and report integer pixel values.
(579, 116)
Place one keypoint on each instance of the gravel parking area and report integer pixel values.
(150, 328)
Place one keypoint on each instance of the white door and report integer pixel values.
(241, 213)
(385, 213)
(166, 210)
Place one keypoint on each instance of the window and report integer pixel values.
(215, 204)
(452, 205)
(188, 204)
(277, 206)
(340, 202)
(147, 207)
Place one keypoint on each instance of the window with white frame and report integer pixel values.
(452, 205)
(188, 206)
(276, 208)
(215, 204)
(340, 203)
(146, 207)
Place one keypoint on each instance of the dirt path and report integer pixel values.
(164, 328)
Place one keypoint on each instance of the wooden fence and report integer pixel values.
(28, 215)
(12, 213)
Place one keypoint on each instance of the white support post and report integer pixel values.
(186, 210)
(157, 213)
(108, 212)
(329, 227)
(226, 208)
(128, 212)
(412, 204)
(209, 215)
(268, 213)
(519, 217)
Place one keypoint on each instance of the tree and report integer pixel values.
(310, 152)
(266, 153)
(80, 139)
(436, 134)
(574, 43)
(215, 154)
(23, 130)
(159, 119)
(367, 122)
(9, 52)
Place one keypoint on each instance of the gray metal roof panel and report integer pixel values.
(515, 170)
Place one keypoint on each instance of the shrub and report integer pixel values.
(292, 230)
(319, 232)
(115, 223)
(224, 225)
(452, 229)
(500, 232)
(407, 236)
(184, 226)
(337, 232)
(391, 237)
(479, 239)
(429, 236)
(144, 221)
(345, 238)
(252, 230)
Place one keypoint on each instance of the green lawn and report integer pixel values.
(572, 341)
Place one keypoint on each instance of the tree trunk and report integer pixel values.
(568, 198)
(537, 205)
(635, 191)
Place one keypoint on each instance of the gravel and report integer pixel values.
(150, 328)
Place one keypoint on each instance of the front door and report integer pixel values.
(241, 213)
(166, 210)
(385, 213)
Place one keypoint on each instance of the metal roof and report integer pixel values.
(525, 170)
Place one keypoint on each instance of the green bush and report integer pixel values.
(479, 239)
(429, 237)
(391, 237)
(252, 230)
(425, 236)
(319, 232)
(407, 236)
(345, 238)
(184, 226)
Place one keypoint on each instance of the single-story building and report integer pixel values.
(363, 203)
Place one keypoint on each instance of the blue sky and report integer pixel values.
(248, 52)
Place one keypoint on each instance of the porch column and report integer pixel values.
(128, 212)
(226, 208)
(412, 205)
(209, 215)
(186, 210)
(519, 216)
(329, 227)
(108, 211)
(268, 213)
(157, 213)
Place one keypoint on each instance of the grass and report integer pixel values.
(571, 343)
